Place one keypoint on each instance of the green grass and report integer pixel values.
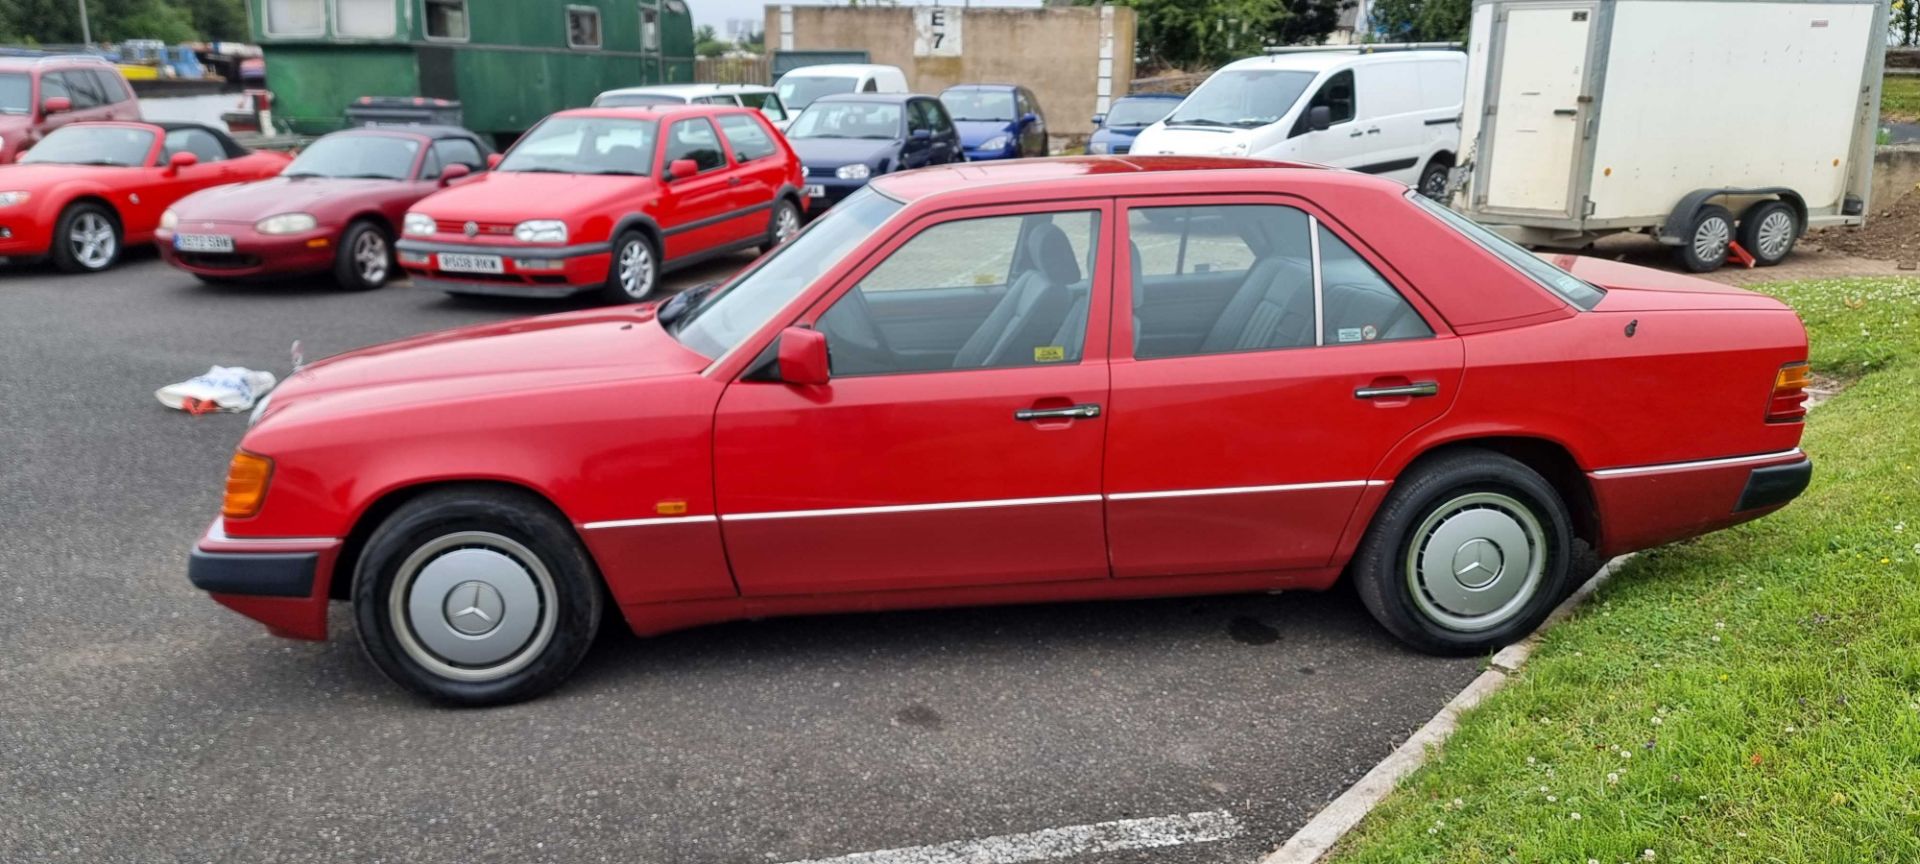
(1750, 696)
(1900, 98)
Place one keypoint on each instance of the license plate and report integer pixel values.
(815, 190)
(203, 242)
(470, 263)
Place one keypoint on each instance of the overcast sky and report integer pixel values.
(716, 12)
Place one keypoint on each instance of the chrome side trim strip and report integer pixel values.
(1703, 463)
(217, 532)
(910, 508)
(1241, 490)
(661, 520)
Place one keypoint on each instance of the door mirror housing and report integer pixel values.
(453, 172)
(1319, 117)
(803, 357)
(180, 160)
(56, 105)
(493, 160)
(1099, 120)
(680, 169)
(921, 134)
(1030, 119)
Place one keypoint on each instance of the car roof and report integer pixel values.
(1043, 179)
(1318, 61)
(838, 69)
(24, 62)
(982, 87)
(1153, 96)
(687, 90)
(885, 98)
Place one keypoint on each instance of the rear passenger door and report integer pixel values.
(1253, 396)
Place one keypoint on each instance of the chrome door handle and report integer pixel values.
(1417, 388)
(1355, 134)
(1084, 411)
(1374, 131)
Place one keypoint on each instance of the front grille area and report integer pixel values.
(459, 226)
(218, 261)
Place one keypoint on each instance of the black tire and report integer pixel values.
(547, 587)
(617, 289)
(1451, 498)
(364, 259)
(1768, 231)
(75, 256)
(1433, 180)
(779, 231)
(1703, 248)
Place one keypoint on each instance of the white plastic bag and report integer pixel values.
(223, 388)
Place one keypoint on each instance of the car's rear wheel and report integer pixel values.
(1768, 231)
(1433, 180)
(1704, 247)
(476, 596)
(782, 227)
(364, 259)
(1470, 552)
(635, 271)
(86, 239)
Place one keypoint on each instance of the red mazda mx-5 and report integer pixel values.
(88, 189)
(1042, 380)
(604, 199)
(334, 210)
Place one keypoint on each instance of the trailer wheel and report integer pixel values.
(1704, 246)
(1768, 231)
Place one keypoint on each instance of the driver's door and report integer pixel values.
(1343, 144)
(958, 442)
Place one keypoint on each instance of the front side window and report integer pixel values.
(1242, 98)
(296, 18)
(93, 145)
(1567, 286)
(694, 139)
(975, 104)
(84, 88)
(199, 142)
(919, 116)
(584, 145)
(747, 137)
(365, 19)
(445, 19)
(583, 27)
(382, 157)
(982, 293)
(799, 91)
(879, 121)
(16, 93)
(1336, 96)
(459, 151)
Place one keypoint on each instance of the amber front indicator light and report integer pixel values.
(1789, 400)
(247, 477)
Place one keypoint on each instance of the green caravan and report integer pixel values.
(508, 62)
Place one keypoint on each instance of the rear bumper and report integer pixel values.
(527, 271)
(282, 582)
(1645, 506)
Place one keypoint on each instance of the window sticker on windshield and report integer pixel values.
(1049, 354)
(1350, 334)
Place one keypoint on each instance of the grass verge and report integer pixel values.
(1900, 98)
(1749, 696)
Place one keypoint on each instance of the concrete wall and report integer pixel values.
(1053, 51)
(1896, 172)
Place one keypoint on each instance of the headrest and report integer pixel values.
(1052, 254)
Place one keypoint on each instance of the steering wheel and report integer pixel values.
(852, 333)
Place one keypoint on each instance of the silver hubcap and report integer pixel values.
(1776, 234)
(370, 257)
(1476, 562)
(1710, 240)
(786, 224)
(473, 606)
(92, 240)
(636, 269)
(1435, 186)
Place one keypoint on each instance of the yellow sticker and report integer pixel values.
(1049, 354)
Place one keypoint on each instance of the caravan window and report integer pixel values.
(583, 27)
(446, 19)
(367, 19)
(296, 18)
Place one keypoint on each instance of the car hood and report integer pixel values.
(513, 196)
(1632, 288)
(834, 152)
(249, 202)
(1160, 139)
(974, 133)
(40, 175)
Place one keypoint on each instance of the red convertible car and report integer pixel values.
(638, 190)
(87, 190)
(1030, 381)
(334, 210)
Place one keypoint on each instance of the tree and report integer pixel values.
(58, 21)
(1210, 32)
(707, 42)
(1422, 20)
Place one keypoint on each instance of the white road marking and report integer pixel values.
(1054, 843)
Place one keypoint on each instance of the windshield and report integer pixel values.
(635, 100)
(877, 120)
(1140, 112)
(731, 314)
(585, 145)
(1571, 288)
(16, 93)
(979, 104)
(382, 157)
(1242, 98)
(93, 145)
(799, 91)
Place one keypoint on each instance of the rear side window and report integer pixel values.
(872, 86)
(747, 137)
(768, 103)
(111, 87)
(694, 139)
(1357, 304)
(459, 151)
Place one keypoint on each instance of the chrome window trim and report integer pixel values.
(1319, 307)
(1698, 464)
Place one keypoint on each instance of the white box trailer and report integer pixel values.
(1701, 122)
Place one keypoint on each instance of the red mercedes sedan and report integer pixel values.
(88, 190)
(1030, 381)
(605, 200)
(335, 210)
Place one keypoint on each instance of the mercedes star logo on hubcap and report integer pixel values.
(474, 608)
(1477, 563)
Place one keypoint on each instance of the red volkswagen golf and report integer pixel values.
(606, 199)
(1032, 381)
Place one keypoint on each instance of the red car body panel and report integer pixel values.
(703, 496)
(137, 195)
(19, 132)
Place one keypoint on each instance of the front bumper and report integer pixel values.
(21, 236)
(527, 271)
(282, 582)
(254, 253)
(1646, 506)
(833, 190)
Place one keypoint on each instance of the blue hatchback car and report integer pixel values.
(997, 121)
(1123, 122)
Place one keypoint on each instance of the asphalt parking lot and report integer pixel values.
(141, 722)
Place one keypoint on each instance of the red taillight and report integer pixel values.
(1789, 399)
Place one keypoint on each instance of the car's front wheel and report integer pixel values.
(476, 596)
(364, 260)
(635, 270)
(1469, 553)
(86, 239)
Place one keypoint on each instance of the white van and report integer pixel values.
(748, 95)
(799, 87)
(1394, 114)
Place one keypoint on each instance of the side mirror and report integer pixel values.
(921, 134)
(1099, 120)
(803, 356)
(180, 160)
(453, 172)
(1319, 117)
(493, 160)
(682, 168)
(1030, 119)
(56, 105)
